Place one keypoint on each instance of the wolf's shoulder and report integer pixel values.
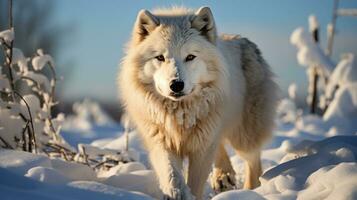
(248, 50)
(243, 43)
(255, 68)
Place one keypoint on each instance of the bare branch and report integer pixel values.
(54, 78)
(7, 145)
(8, 61)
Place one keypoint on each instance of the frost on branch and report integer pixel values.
(313, 23)
(309, 53)
(7, 36)
(292, 90)
(19, 59)
(41, 60)
(4, 82)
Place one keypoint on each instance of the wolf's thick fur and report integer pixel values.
(229, 97)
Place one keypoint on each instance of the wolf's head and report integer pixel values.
(175, 51)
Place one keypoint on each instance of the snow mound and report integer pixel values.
(89, 123)
(105, 189)
(45, 178)
(87, 113)
(342, 111)
(14, 186)
(345, 73)
(48, 175)
(332, 182)
(241, 195)
(319, 170)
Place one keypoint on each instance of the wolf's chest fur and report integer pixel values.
(184, 126)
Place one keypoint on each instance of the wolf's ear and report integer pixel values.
(145, 23)
(203, 21)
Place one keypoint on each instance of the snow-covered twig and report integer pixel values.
(32, 136)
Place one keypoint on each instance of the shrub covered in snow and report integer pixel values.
(26, 120)
(27, 98)
(337, 82)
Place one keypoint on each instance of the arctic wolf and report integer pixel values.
(189, 91)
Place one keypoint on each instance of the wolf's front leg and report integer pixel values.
(168, 168)
(200, 164)
(223, 175)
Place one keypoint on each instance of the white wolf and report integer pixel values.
(189, 91)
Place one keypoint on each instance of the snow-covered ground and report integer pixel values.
(309, 156)
(306, 159)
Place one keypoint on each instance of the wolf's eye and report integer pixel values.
(190, 57)
(160, 58)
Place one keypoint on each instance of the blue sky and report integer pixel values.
(103, 27)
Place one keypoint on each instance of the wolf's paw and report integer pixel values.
(221, 181)
(178, 194)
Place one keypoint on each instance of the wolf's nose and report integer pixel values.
(177, 85)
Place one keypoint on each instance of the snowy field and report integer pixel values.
(89, 156)
(308, 158)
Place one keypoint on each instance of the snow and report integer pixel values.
(287, 111)
(313, 23)
(33, 102)
(342, 110)
(4, 82)
(133, 177)
(15, 186)
(341, 92)
(241, 195)
(309, 53)
(48, 175)
(301, 162)
(123, 168)
(332, 182)
(88, 124)
(39, 78)
(316, 170)
(345, 73)
(7, 35)
(292, 90)
(39, 61)
(105, 189)
(9, 125)
(19, 58)
(329, 29)
(87, 114)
